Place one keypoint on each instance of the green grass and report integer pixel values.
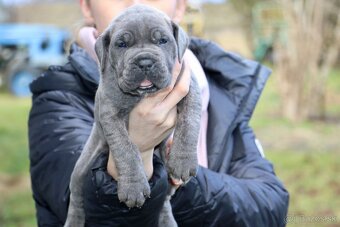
(334, 80)
(17, 210)
(13, 134)
(16, 203)
(334, 99)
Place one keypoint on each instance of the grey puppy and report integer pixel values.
(137, 54)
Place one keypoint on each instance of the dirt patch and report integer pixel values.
(13, 184)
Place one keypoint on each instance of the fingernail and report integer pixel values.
(175, 182)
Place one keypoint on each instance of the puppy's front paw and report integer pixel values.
(133, 190)
(183, 167)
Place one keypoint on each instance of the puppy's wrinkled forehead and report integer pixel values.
(140, 19)
(139, 27)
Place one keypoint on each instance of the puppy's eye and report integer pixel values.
(122, 44)
(162, 41)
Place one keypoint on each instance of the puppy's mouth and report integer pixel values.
(146, 87)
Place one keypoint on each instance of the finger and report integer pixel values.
(167, 120)
(179, 91)
(175, 182)
(152, 100)
(166, 125)
(171, 118)
(156, 115)
(157, 97)
(168, 144)
(111, 167)
(176, 72)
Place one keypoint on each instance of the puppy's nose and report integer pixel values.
(145, 64)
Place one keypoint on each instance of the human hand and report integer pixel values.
(154, 117)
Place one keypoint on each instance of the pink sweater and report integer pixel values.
(197, 70)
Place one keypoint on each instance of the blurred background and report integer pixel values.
(297, 118)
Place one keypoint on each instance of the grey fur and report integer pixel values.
(153, 43)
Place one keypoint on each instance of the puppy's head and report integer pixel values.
(139, 49)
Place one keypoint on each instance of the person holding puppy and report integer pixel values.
(235, 185)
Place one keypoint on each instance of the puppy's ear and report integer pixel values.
(102, 48)
(182, 40)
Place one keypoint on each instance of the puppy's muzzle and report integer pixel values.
(145, 64)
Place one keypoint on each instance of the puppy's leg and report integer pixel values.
(93, 146)
(182, 162)
(166, 217)
(133, 186)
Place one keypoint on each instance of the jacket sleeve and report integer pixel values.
(249, 195)
(59, 125)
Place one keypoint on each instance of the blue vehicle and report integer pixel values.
(26, 50)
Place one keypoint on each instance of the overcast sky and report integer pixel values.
(11, 2)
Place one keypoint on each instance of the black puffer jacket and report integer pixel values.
(239, 188)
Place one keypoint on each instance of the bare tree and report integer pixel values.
(304, 61)
(244, 9)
